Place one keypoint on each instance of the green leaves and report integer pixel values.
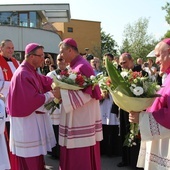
(116, 79)
(52, 106)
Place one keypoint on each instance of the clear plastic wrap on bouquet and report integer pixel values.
(62, 85)
(70, 81)
(56, 102)
(128, 104)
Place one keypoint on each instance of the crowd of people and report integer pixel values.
(88, 123)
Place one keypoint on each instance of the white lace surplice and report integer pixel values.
(155, 145)
(35, 136)
(4, 159)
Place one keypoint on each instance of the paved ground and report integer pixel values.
(107, 163)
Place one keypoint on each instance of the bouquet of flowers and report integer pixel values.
(103, 84)
(131, 92)
(70, 81)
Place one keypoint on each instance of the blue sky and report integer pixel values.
(114, 15)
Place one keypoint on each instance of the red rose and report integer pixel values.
(64, 73)
(79, 80)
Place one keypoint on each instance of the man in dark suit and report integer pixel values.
(129, 154)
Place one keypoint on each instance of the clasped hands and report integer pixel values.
(56, 92)
(134, 117)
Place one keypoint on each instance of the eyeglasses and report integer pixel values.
(60, 59)
(42, 55)
(123, 63)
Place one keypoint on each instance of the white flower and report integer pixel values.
(137, 91)
(124, 74)
(129, 140)
(134, 143)
(132, 87)
(157, 87)
(58, 77)
(92, 77)
(72, 76)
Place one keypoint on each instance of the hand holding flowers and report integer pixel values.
(130, 89)
(134, 117)
(69, 81)
(133, 93)
(56, 102)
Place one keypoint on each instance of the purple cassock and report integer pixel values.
(22, 83)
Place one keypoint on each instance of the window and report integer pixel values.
(5, 18)
(70, 29)
(23, 19)
(14, 19)
(35, 20)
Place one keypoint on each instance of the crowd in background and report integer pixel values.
(115, 121)
(97, 64)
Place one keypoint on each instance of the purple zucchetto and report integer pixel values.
(70, 41)
(125, 54)
(30, 47)
(167, 41)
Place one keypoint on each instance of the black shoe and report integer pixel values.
(121, 164)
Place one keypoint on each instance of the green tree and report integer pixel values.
(167, 18)
(167, 9)
(126, 46)
(167, 35)
(108, 44)
(136, 39)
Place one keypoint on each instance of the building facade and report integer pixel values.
(23, 24)
(86, 33)
(47, 24)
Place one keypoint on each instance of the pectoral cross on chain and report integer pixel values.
(5, 70)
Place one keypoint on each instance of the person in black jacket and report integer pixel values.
(129, 154)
